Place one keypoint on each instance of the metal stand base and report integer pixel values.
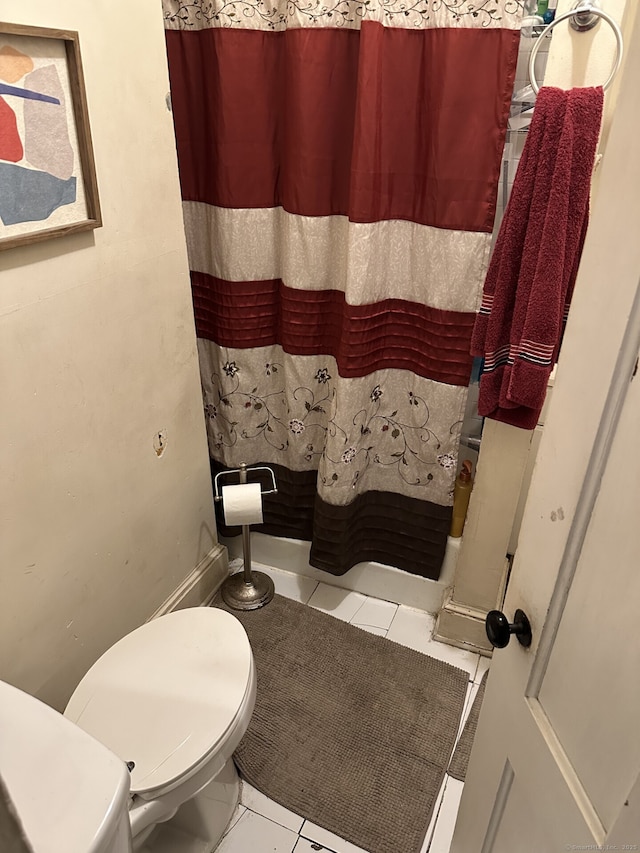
(240, 595)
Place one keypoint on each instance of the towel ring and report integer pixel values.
(588, 13)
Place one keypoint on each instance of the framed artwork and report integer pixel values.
(48, 184)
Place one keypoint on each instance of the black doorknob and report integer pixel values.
(499, 630)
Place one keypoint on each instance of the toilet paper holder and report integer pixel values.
(246, 590)
(242, 471)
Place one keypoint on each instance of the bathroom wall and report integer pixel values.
(97, 356)
(574, 59)
(586, 59)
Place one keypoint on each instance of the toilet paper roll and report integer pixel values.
(242, 504)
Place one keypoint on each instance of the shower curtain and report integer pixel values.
(339, 162)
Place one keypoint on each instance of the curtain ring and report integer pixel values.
(579, 9)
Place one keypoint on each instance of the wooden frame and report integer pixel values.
(61, 49)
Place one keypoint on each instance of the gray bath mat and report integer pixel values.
(350, 730)
(460, 760)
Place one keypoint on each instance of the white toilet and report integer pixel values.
(173, 700)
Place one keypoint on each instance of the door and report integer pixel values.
(556, 760)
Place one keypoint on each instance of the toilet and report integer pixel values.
(171, 702)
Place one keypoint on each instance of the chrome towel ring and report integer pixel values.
(584, 15)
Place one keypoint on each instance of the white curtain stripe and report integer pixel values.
(278, 15)
(368, 262)
(390, 431)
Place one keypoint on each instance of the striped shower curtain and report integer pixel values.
(339, 162)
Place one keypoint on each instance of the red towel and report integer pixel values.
(530, 279)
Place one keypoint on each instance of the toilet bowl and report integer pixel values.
(172, 700)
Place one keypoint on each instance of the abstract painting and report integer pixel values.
(48, 184)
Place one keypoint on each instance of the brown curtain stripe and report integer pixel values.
(379, 526)
(382, 527)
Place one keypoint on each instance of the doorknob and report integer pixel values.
(499, 630)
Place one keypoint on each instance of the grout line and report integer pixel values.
(359, 609)
(233, 823)
(377, 628)
(463, 719)
(435, 825)
(311, 593)
(395, 616)
(266, 817)
(476, 669)
(307, 838)
(478, 679)
(437, 811)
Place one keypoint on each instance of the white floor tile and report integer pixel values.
(289, 584)
(370, 629)
(413, 628)
(375, 613)
(259, 803)
(434, 817)
(340, 603)
(306, 846)
(312, 832)
(456, 657)
(445, 824)
(236, 565)
(472, 692)
(256, 834)
(171, 840)
(235, 817)
(483, 665)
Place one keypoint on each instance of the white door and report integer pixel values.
(556, 761)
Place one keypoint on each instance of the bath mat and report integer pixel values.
(460, 760)
(350, 730)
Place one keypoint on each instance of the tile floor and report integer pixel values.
(261, 825)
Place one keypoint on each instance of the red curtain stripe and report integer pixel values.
(392, 333)
(377, 123)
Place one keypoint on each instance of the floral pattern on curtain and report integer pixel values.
(339, 165)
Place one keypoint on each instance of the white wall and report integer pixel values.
(587, 59)
(575, 59)
(97, 354)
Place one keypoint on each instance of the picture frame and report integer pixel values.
(48, 183)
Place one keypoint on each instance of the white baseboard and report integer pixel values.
(463, 627)
(200, 586)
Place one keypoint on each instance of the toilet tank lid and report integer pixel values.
(68, 791)
(164, 695)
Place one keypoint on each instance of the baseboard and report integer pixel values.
(463, 627)
(200, 586)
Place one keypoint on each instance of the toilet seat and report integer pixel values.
(166, 695)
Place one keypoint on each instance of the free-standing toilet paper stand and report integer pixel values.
(246, 590)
